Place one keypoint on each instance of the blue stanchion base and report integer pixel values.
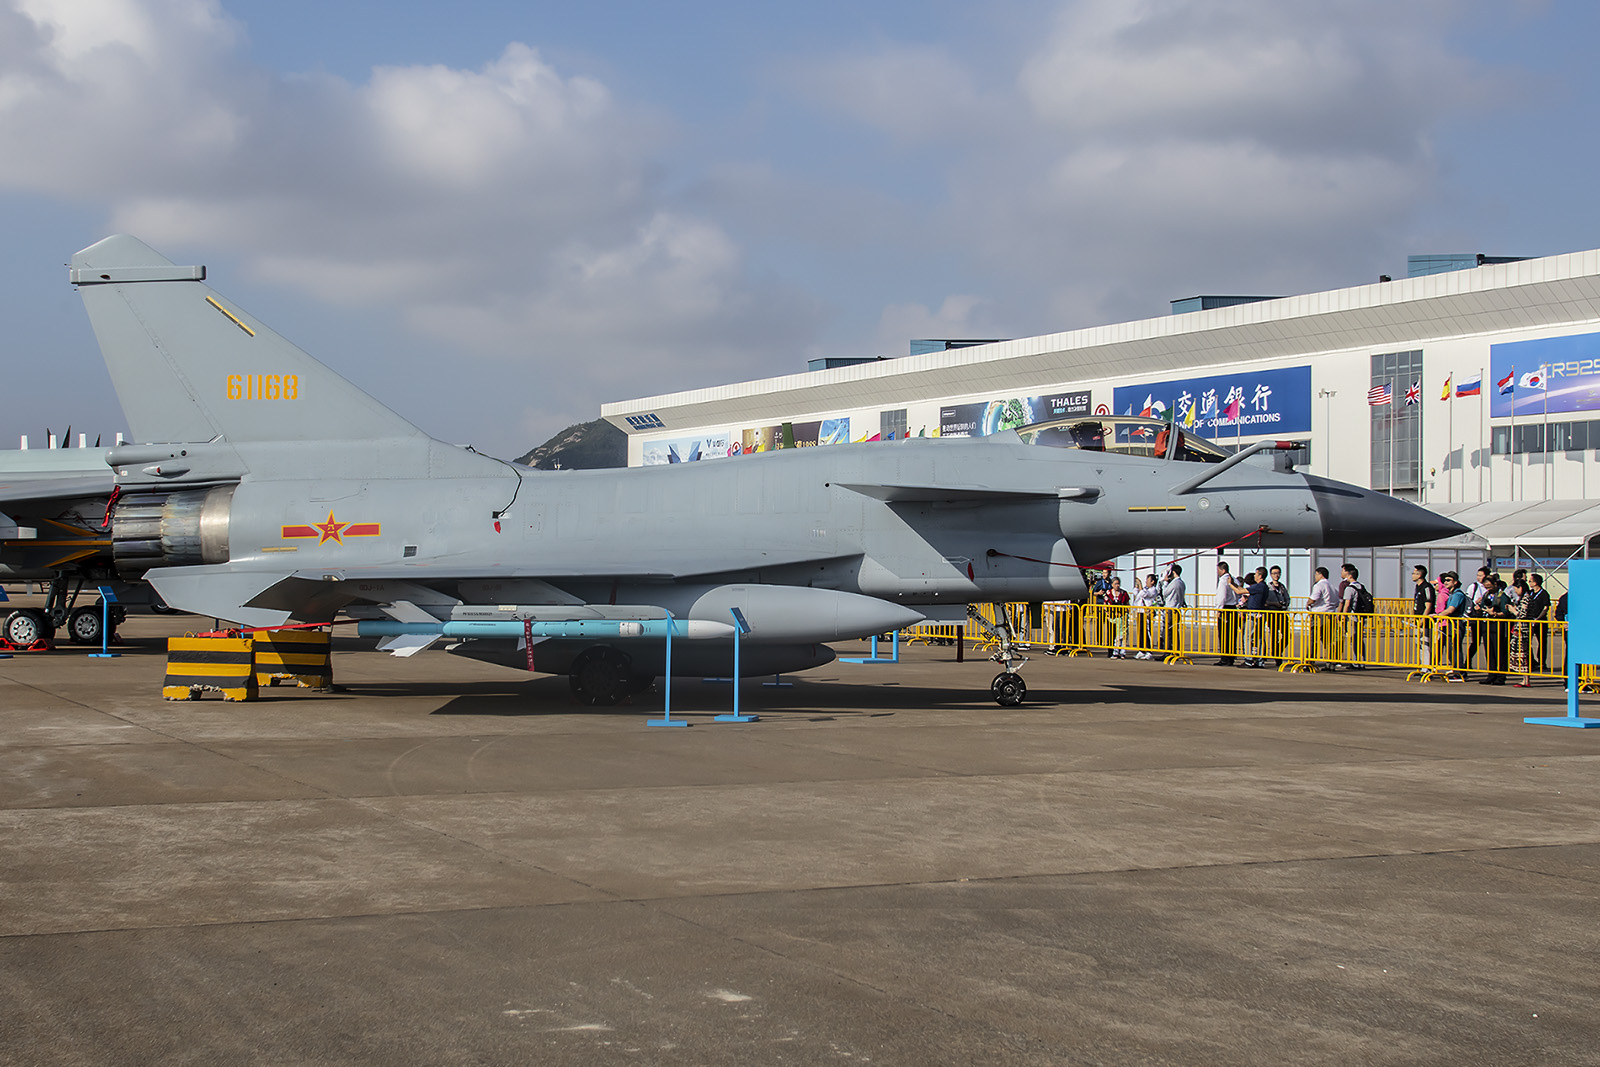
(1563, 720)
(778, 683)
(737, 718)
(852, 659)
(5, 655)
(665, 722)
(104, 655)
(716, 681)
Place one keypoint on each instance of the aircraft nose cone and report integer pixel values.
(1353, 517)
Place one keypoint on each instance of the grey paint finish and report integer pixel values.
(335, 499)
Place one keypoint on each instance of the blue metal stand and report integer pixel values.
(740, 627)
(107, 598)
(1571, 718)
(1583, 638)
(778, 683)
(666, 714)
(875, 658)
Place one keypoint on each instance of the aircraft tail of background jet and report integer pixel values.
(188, 365)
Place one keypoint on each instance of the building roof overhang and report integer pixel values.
(1556, 290)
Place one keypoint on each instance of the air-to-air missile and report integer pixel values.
(265, 489)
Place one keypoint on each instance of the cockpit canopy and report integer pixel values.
(1132, 435)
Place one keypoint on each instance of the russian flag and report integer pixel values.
(1508, 384)
(1472, 386)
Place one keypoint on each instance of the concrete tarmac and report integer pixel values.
(451, 863)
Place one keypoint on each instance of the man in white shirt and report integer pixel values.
(1321, 601)
(1172, 597)
(1227, 616)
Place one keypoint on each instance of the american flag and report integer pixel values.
(1414, 393)
(1380, 394)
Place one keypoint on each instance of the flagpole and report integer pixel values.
(1549, 480)
(1394, 427)
(1483, 460)
(1512, 451)
(1450, 438)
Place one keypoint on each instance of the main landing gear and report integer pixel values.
(1008, 688)
(28, 627)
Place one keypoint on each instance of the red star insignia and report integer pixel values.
(330, 530)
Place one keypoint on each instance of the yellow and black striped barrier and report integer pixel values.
(224, 664)
(299, 657)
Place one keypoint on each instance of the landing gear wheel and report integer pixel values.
(27, 625)
(1009, 689)
(601, 676)
(159, 606)
(84, 625)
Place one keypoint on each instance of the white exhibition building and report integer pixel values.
(1474, 391)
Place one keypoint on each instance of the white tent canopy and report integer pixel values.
(1541, 522)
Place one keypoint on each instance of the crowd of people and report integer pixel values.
(1490, 625)
(1500, 619)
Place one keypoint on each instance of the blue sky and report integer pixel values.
(495, 216)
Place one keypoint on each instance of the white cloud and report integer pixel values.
(1137, 150)
(912, 92)
(959, 315)
(504, 211)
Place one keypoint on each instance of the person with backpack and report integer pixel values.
(1277, 617)
(1355, 600)
(1447, 624)
(1475, 592)
(1496, 612)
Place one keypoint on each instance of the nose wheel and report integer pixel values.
(1008, 689)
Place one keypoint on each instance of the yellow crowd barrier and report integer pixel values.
(1507, 649)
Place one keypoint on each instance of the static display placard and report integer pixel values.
(1549, 375)
(687, 449)
(992, 416)
(793, 435)
(1270, 401)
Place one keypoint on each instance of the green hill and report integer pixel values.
(580, 447)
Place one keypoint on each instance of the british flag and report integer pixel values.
(1414, 392)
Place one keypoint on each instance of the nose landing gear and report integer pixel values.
(1008, 688)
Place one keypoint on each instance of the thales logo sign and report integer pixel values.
(646, 422)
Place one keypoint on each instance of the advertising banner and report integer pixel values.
(687, 449)
(1266, 402)
(792, 435)
(1549, 375)
(992, 416)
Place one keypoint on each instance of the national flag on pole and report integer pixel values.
(1231, 413)
(1414, 393)
(1472, 386)
(1146, 412)
(1379, 395)
(1188, 418)
(1446, 394)
(1508, 384)
(1534, 379)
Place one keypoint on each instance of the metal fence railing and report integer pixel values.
(1425, 646)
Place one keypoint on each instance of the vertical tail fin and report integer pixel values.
(189, 366)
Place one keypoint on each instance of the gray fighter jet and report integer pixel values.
(265, 489)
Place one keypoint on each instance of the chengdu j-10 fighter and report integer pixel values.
(265, 489)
